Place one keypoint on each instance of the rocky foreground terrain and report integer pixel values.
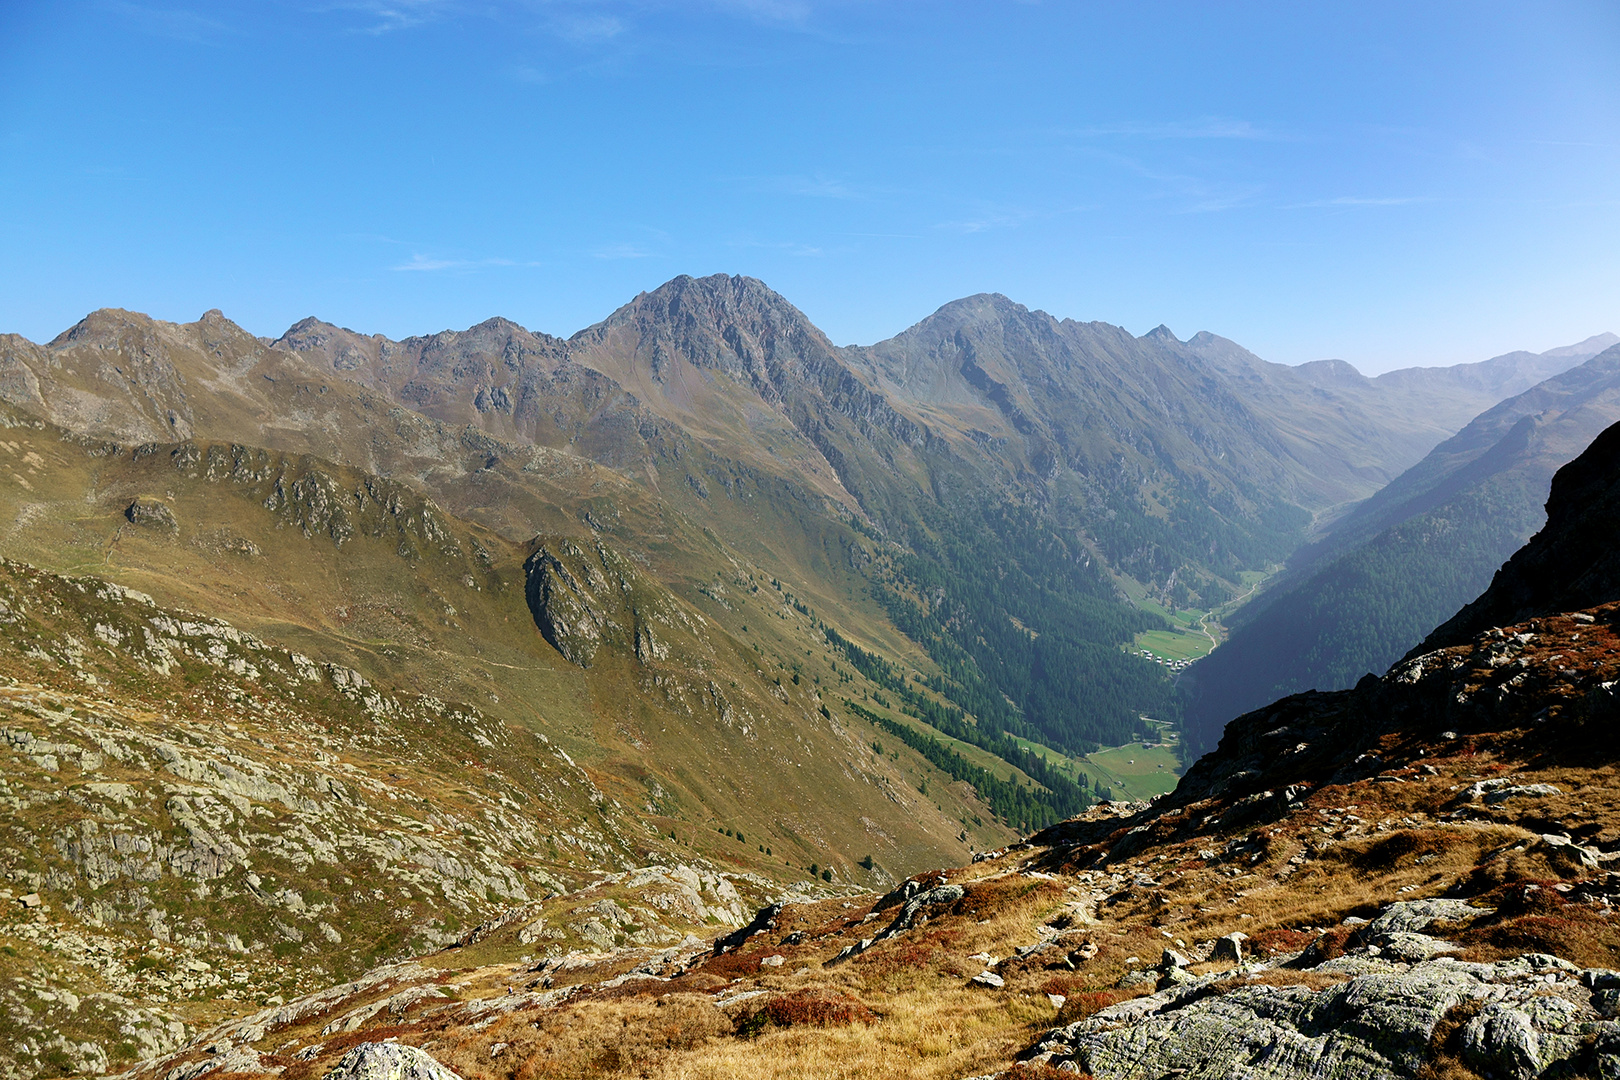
(1413, 878)
(198, 823)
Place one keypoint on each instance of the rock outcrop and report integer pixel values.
(1532, 1016)
(1571, 564)
(389, 1061)
(584, 599)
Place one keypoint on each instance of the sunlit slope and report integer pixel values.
(708, 728)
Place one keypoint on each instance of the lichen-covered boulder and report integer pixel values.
(388, 1061)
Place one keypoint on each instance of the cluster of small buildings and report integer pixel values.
(1173, 665)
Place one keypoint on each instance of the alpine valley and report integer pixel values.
(694, 697)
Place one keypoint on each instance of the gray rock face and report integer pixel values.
(564, 608)
(917, 906)
(1415, 916)
(1518, 791)
(152, 512)
(1540, 1017)
(584, 599)
(389, 1061)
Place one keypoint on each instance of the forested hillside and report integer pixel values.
(1409, 557)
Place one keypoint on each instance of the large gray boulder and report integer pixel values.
(1539, 1018)
(388, 1061)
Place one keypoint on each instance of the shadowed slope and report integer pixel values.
(1410, 555)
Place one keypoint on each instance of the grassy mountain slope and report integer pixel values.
(369, 573)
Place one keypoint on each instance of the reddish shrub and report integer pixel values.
(1067, 985)
(1279, 941)
(745, 961)
(1028, 1070)
(1331, 944)
(813, 1008)
(907, 954)
(1082, 1005)
(820, 1008)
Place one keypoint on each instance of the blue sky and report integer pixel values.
(1392, 184)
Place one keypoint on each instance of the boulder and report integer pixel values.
(1415, 916)
(151, 512)
(1172, 959)
(1538, 1019)
(1518, 791)
(1229, 948)
(388, 1061)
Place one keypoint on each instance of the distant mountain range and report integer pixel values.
(967, 499)
(1075, 459)
(1355, 599)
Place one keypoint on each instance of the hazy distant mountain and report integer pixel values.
(1476, 387)
(1344, 423)
(1408, 557)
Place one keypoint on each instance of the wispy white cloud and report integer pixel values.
(388, 16)
(788, 246)
(818, 186)
(1194, 194)
(1360, 200)
(426, 264)
(775, 11)
(1206, 128)
(623, 251)
(586, 29)
(985, 219)
(177, 23)
(980, 223)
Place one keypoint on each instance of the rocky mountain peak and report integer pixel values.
(729, 323)
(708, 309)
(103, 324)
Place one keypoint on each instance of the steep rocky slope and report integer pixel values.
(1419, 888)
(1571, 561)
(1411, 878)
(197, 821)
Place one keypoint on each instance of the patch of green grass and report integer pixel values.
(1135, 771)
